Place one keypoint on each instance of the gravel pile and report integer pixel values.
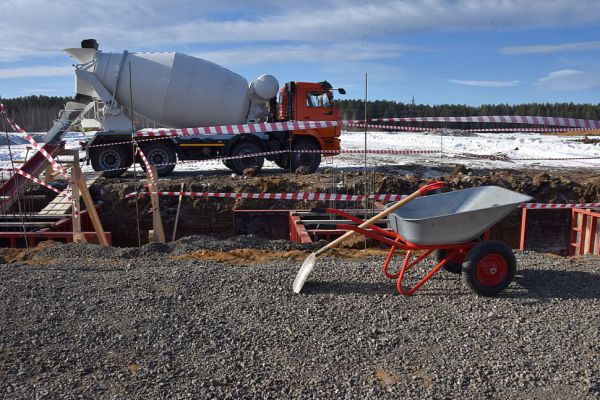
(84, 321)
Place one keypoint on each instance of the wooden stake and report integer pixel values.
(89, 204)
(76, 219)
(157, 225)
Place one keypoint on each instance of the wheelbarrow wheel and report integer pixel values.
(489, 268)
(453, 265)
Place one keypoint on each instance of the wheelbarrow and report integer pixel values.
(453, 227)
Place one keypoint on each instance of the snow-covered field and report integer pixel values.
(516, 146)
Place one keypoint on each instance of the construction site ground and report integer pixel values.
(211, 318)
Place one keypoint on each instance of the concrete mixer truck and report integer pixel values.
(175, 90)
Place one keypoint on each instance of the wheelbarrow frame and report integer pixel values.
(452, 252)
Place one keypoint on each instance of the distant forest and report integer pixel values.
(36, 113)
(33, 113)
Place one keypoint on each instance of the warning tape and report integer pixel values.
(421, 129)
(311, 196)
(307, 196)
(554, 205)
(35, 144)
(41, 182)
(237, 129)
(505, 119)
(146, 163)
(275, 152)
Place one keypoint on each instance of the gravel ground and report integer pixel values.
(84, 321)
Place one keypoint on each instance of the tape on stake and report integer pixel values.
(146, 163)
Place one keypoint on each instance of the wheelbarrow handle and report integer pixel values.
(432, 186)
(383, 214)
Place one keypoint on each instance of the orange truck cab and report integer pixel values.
(309, 101)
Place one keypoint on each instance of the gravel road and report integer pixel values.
(80, 321)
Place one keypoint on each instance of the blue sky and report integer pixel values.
(439, 51)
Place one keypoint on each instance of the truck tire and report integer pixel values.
(283, 162)
(238, 165)
(113, 161)
(310, 160)
(161, 154)
(489, 268)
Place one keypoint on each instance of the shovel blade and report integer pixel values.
(302, 274)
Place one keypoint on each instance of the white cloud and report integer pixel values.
(27, 72)
(485, 83)
(551, 48)
(570, 79)
(559, 74)
(152, 24)
(330, 52)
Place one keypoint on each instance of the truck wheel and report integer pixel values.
(453, 265)
(311, 160)
(113, 161)
(160, 154)
(489, 268)
(238, 165)
(283, 162)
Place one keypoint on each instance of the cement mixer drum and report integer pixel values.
(171, 89)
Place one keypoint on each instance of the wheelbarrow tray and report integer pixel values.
(454, 217)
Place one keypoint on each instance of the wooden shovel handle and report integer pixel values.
(383, 214)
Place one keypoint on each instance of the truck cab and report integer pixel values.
(310, 101)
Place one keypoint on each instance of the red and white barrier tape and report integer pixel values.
(309, 196)
(421, 129)
(44, 184)
(553, 205)
(237, 129)
(35, 144)
(268, 153)
(146, 163)
(504, 119)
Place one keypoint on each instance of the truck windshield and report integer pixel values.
(316, 99)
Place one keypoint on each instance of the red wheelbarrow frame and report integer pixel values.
(395, 241)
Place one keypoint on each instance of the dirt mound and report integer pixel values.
(13, 255)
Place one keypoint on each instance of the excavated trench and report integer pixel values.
(215, 216)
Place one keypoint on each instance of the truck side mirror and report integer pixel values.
(342, 90)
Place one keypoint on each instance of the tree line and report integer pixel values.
(33, 113)
(355, 109)
(36, 113)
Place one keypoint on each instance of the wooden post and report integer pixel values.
(76, 219)
(89, 204)
(157, 225)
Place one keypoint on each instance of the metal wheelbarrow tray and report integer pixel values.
(454, 217)
(452, 227)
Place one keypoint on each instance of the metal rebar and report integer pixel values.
(135, 176)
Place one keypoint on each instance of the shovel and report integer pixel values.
(310, 261)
